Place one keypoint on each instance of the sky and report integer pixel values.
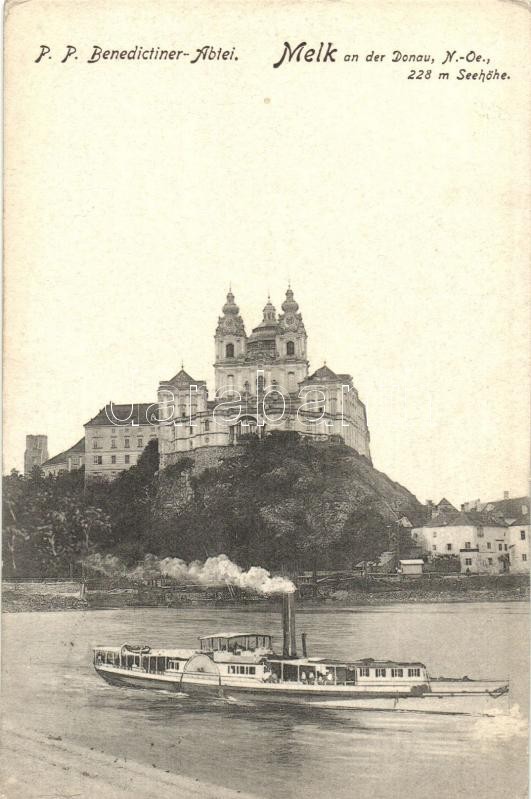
(135, 193)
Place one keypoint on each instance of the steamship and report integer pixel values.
(237, 666)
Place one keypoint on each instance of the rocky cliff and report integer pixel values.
(279, 500)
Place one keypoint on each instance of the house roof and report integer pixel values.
(62, 457)
(509, 509)
(465, 519)
(412, 562)
(132, 413)
(522, 520)
(445, 503)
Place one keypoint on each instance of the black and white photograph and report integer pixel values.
(266, 435)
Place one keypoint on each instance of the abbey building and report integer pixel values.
(262, 385)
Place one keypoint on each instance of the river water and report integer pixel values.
(49, 686)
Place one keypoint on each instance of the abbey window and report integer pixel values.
(290, 348)
(229, 351)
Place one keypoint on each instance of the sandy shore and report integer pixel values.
(36, 767)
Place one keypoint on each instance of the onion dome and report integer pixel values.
(231, 322)
(290, 306)
(230, 308)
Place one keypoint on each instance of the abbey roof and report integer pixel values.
(182, 380)
(63, 456)
(123, 415)
(324, 375)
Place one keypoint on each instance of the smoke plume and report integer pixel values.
(215, 571)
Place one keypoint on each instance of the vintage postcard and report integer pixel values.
(266, 510)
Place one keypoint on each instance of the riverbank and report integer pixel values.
(503, 588)
(33, 766)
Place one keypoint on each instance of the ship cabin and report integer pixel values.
(142, 658)
(369, 673)
(236, 643)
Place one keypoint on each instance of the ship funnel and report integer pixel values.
(288, 626)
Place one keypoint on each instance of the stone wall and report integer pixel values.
(205, 457)
(175, 489)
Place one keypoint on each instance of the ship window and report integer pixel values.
(381, 672)
(413, 672)
(397, 672)
(364, 672)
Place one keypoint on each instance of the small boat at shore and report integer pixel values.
(238, 666)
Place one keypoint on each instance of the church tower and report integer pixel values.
(291, 344)
(230, 345)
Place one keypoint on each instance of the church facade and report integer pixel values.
(262, 384)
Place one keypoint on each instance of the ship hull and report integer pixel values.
(452, 697)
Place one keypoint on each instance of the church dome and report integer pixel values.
(290, 306)
(230, 308)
